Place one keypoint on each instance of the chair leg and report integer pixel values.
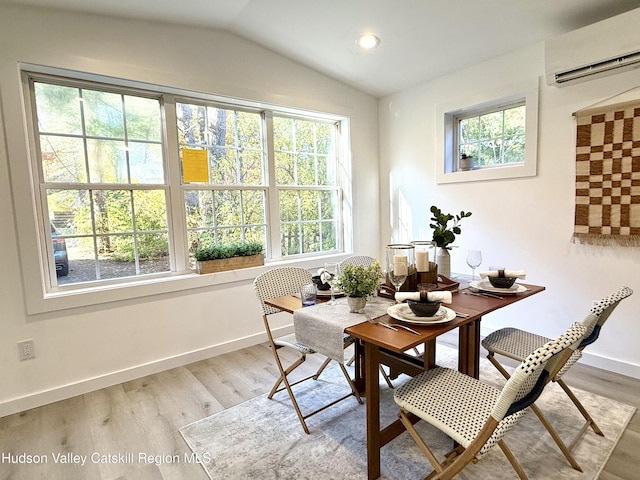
(384, 374)
(421, 445)
(287, 386)
(498, 366)
(512, 459)
(354, 390)
(580, 407)
(284, 373)
(566, 451)
(386, 377)
(322, 367)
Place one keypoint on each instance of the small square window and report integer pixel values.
(490, 140)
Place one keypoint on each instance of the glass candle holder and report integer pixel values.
(422, 249)
(401, 263)
(426, 267)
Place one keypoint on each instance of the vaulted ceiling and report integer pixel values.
(420, 39)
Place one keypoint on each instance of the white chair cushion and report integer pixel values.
(513, 342)
(517, 344)
(455, 403)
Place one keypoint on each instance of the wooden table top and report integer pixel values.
(402, 340)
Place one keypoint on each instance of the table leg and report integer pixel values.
(469, 349)
(429, 354)
(372, 364)
(359, 373)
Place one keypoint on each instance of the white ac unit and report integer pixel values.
(603, 48)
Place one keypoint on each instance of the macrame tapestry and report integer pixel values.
(608, 175)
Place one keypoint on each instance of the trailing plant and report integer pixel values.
(214, 251)
(358, 280)
(443, 234)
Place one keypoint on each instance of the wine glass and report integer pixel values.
(474, 259)
(397, 274)
(332, 269)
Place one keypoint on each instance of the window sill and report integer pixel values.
(493, 173)
(78, 298)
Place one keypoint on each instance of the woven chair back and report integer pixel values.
(278, 282)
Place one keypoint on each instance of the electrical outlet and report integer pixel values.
(26, 350)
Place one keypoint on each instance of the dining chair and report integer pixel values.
(365, 261)
(477, 415)
(288, 281)
(513, 343)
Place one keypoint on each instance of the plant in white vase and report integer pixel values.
(358, 282)
(444, 235)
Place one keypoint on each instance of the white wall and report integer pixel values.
(519, 223)
(84, 348)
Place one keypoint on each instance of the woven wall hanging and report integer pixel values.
(608, 175)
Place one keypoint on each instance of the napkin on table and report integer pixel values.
(444, 297)
(521, 274)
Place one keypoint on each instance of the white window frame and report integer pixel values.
(446, 132)
(41, 297)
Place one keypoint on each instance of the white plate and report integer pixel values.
(402, 312)
(486, 286)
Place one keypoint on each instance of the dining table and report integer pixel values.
(377, 344)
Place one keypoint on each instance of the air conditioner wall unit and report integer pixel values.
(603, 48)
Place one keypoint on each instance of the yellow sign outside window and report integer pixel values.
(195, 165)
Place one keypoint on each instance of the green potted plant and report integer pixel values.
(214, 257)
(358, 282)
(444, 235)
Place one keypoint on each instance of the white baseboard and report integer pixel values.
(605, 363)
(44, 397)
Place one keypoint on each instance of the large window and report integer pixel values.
(102, 182)
(225, 199)
(308, 194)
(121, 199)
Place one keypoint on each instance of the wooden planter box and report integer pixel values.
(233, 263)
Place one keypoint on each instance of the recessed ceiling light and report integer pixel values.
(367, 41)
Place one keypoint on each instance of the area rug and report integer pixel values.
(262, 438)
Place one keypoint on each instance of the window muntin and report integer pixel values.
(102, 180)
(308, 193)
(492, 137)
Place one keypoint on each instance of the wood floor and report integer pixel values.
(130, 431)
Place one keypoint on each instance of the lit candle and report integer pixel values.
(422, 260)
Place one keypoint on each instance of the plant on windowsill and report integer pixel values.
(358, 282)
(466, 162)
(214, 257)
(444, 235)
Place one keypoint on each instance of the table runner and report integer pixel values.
(607, 210)
(321, 327)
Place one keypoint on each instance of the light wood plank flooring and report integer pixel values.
(143, 417)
